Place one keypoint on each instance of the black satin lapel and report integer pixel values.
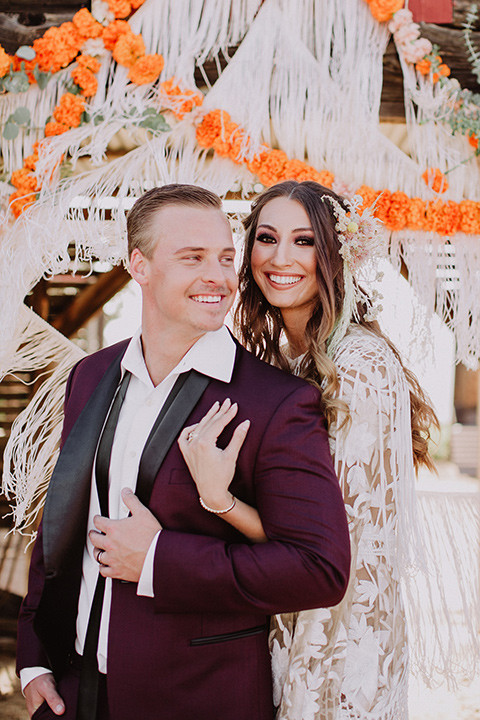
(66, 505)
(182, 399)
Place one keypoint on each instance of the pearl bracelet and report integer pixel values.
(218, 512)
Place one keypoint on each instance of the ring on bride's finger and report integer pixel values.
(191, 435)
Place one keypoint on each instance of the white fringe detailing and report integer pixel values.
(445, 277)
(444, 606)
(32, 448)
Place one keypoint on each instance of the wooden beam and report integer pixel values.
(88, 302)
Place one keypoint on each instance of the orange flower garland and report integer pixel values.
(5, 62)
(69, 110)
(112, 32)
(177, 100)
(86, 24)
(395, 209)
(58, 47)
(227, 139)
(146, 69)
(383, 10)
(128, 49)
(83, 74)
(435, 180)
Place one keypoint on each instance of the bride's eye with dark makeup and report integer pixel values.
(265, 238)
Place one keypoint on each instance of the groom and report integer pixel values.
(150, 605)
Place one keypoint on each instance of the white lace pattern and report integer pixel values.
(351, 661)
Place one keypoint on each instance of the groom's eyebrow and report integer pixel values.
(193, 248)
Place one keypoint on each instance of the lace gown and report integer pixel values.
(351, 661)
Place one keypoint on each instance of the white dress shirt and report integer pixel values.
(213, 355)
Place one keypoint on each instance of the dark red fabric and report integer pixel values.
(166, 661)
(432, 11)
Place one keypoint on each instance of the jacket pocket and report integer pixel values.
(226, 637)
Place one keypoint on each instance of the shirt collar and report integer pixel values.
(212, 355)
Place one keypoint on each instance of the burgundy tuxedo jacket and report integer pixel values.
(198, 650)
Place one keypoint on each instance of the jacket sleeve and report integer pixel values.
(30, 652)
(306, 562)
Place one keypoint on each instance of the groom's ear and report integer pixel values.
(139, 267)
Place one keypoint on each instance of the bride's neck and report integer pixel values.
(294, 327)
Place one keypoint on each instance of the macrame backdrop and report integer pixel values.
(306, 78)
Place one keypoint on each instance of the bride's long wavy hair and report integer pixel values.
(259, 324)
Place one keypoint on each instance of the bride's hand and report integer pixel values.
(211, 467)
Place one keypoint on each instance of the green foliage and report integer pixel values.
(20, 117)
(154, 121)
(16, 82)
(25, 52)
(41, 77)
(10, 131)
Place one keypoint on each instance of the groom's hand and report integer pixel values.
(121, 545)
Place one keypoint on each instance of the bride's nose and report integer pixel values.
(283, 255)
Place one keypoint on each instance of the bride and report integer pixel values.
(304, 245)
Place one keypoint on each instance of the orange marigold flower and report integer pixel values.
(397, 213)
(146, 69)
(24, 180)
(18, 201)
(416, 214)
(222, 144)
(270, 171)
(473, 140)
(86, 80)
(128, 49)
(28, 66)
(136, 4)
(435, 179)
(423, 66)
(368, 196)
(450, 218)
(469, 217)
(310, 173)
(58, 47)
(211, 127)
(433, 215)
(30, 161)
(382, 10)
(382, 205)
(86, 24)
(120, 8)
(444, 70)
(238, 144)
(113, 31)
(179, 101)
(69, 110)
(55, 128)
(294, 169)
(5, 62)
(326, 178)
(89, 63)
(256, 162)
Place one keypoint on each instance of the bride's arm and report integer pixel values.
(213, 468)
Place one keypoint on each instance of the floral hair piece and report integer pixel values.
(362, 243)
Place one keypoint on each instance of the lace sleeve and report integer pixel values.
(351, 661)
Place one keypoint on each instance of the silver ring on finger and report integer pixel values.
(99, 557)
(191, 435)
